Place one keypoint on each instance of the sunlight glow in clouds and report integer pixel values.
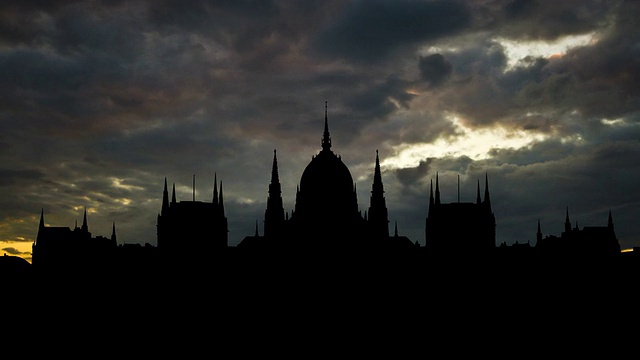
(519, 50)
(474, 143)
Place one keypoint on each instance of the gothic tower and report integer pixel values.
(274, 220)
(377, 215)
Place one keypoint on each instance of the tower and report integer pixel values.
(377, 216)
(460, 226)
(274, 221)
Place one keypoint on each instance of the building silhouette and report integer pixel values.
(460, 226)
(61, 247)
(326, 216)
(590, 240)
(326, 223)
(192, 224)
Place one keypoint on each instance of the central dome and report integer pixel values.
(326, 201)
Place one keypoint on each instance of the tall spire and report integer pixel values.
(165, 198)
(478, 200)
(85, 227)
(487, 199)
(274, 169)
(326, 138)
(610, 221)
(173, 194)
(378, 213)
(538, 234)
(215, 188)
(41, 219)
(274, 215)
(113, 233)
(567, 223)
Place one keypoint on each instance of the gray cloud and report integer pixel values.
(368, 31)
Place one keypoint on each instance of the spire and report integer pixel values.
(538, 233)
(326, 138)
(173, 194)
(165, 198)
(431, 194)
(274, 168)
(478, 200)
(113, 233)
(377, 176)
(437, 191)
(40, 228)
(487, 199)
(567, 223)
(85, 227)
(610, 221)
(215, 188)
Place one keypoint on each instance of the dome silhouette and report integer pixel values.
(326, 200)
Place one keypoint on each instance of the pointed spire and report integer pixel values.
(567, 223)
(377, 175)
(610, 221)
(538, 233)
(437, 191)
(173, 194)
(165, 198)
(113, 233)
(487, 199)
(326, 138)
(41, 225)
(215, 188)
(85, 227)
(478, 200)
(431, 193)
(274, 169)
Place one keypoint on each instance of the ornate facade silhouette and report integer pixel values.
(590, 240)
(326, 214)
(192, 224)
(57, 246)
(460, 226)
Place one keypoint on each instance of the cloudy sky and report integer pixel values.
(101, 100)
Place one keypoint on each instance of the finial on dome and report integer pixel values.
(326, 138)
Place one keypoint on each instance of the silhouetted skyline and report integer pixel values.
(101, 103)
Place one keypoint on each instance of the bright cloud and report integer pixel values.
(517, 51)
(474, 143)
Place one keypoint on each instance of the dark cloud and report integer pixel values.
(368, 31)
(434, 69)
(534, 20)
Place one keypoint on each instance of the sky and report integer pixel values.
(100, 101)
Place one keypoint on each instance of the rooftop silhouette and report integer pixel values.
(324, 232)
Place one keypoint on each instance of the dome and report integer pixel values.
(327, 179)
(326, 198)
